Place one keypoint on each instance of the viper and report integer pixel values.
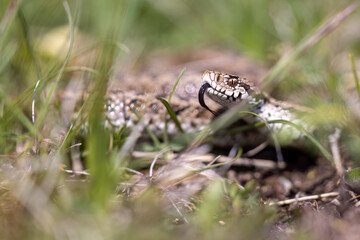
(194, 112)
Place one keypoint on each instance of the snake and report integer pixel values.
(198, 99)
(125, 108)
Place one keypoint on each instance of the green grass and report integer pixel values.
(38, 201)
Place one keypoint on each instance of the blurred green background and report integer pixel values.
(35, 34)
(259, 29)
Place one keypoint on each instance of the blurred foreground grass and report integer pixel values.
(37, 201)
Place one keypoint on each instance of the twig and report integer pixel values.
(214, 160)
(131, 184)
(84, 172)
(250, 162)
(354, 197)
(256, 150)
(333, 139)
(77, 172)
(74, 145)
(311, 197)
(134, 171)
(87, 173)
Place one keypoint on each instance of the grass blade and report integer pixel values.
(50, 98)
(238, 154)
(308, 42)
(279, 155)
(172, 114)
(322, 149)
(356, 78)
(9, 16)
(176, 83)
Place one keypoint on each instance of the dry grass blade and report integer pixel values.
(334, 144)
(33, 114)
(8, 14)
(155, 160)
(138, 195)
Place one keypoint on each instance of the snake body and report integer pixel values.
(123, 108)
(121, 104)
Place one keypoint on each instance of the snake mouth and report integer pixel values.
(225, 89)
(201, 95)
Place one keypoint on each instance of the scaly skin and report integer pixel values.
(227, 90)
(144, 101)
(224, 89)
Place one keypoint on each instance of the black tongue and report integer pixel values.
(201, 97)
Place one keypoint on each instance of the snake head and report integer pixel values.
(224, 88)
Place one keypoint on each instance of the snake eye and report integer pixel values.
(233, 82)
